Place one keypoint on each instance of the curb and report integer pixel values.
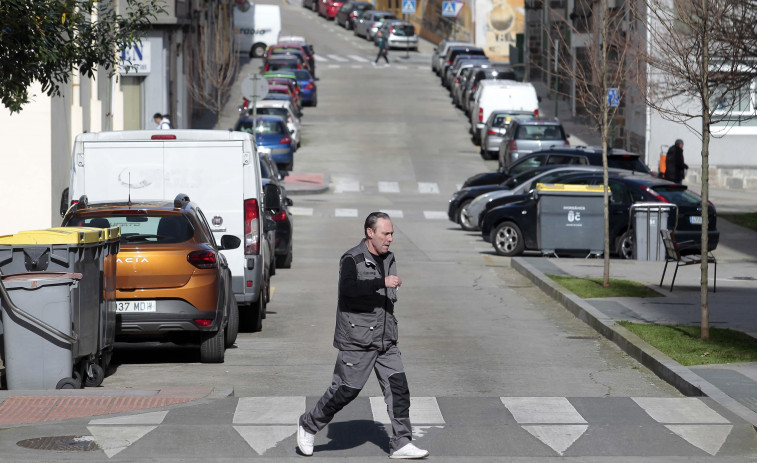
(680, 377)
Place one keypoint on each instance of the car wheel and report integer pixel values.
(68, 383)
(258, 51)
(507, 239)
(465, 222)
(212, 346)
(284, 261)
(252, 318)
(624, 245)
(232, 327)
(95, 376)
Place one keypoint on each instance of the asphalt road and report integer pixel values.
(497, 369)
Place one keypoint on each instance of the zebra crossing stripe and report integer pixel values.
(393, 213)
(709, 438)
(296, 210)
(389, 187)
(113, 439)
(558, 437)
(542, 410)
(320, 58)
(358, 58)
(687, 410)
(435, 215)
(344, 185)
(334, 66)
(140, 418)
(269, 410)
(262, 438)
(345, 212)
(338, 58)
(428, 188)
(423, 410)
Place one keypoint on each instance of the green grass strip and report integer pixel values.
(748, 220)
(683, 344)
(592, 287)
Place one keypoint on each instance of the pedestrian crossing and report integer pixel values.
(526, 426)
(353, 61)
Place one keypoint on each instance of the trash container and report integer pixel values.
(38, 334)
(648, 219)
(82, 250)
(570, 218)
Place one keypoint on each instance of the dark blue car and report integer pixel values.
(307, 88)
(272, 136)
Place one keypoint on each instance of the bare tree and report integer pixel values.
(700, 56)
(606, 62)
(212, 57)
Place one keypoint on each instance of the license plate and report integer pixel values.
(696, 219)
(135, 306)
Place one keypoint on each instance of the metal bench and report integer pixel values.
(673, 254)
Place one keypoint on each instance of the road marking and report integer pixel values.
(269, 410)
(558, 437)
(356, 66)
(435, 215)
(389, 187)
(709, 438)
(428, 188)
(344, 185)
(262, 438)
(423, 410)
(345, 212)
(401, 67)
(295, 210)
(395, 214)
(334, 66)
(320, 58)
(358, 58)
(113, 439)
(542, 410)
(687, 410)
(338, 58)
(141, 418)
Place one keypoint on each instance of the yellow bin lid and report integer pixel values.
(108, 234)
(62, 235)
(570, 188)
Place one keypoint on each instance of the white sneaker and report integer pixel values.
(409, 452)
(373, 63)
(305, 441)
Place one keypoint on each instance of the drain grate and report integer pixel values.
(61, 443)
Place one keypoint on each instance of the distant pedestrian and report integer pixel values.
(382, 48)
(675, 168)
(162, 121)
(366, 336)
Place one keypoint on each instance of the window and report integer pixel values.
(174, 228)
(737, 108)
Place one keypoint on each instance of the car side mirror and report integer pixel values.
(230, 242)
(282, 174)
(269, 224)
(289, 202)
(271, 197)
(64, 202)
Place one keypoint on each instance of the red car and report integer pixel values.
(329, 8)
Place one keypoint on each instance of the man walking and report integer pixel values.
(674, 165)
(382, 47)
(161, 121)
(366, 336)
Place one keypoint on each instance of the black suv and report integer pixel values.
(581, 155)
(347, 13)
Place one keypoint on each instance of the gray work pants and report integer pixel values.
(350, 375)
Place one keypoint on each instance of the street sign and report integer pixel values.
(254, 87)
(408, 7)
(452, 9)
(613, 97)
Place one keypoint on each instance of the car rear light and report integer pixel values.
(203, 322)
(284, 140)
(163, 137)
(310, 86)
(491, 132)
(566, 143)
(654, 194)
(457, 80)
(512, 146)
(251, 227)
(353, 14)
(449, 62)
(280, 217)
(202, 259)
(480, 114)
(536, 113)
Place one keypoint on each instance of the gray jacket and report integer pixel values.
(365, 310)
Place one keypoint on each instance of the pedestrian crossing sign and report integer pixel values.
(408, 7)
(452, 9)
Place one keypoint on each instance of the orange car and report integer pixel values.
(172, 283)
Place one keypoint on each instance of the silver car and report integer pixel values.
(369, 22)
(495, 129)
(401, 34)
(528, 135)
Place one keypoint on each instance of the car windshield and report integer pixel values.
(627, 163)
(302, 75)
(540, 132)
(405, 30)
(512, 182)
(137, 228)
(277, 65)
(678, 195)
(504, 119)
(272, 112)
(264, 127)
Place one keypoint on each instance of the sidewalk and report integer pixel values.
(732, 385)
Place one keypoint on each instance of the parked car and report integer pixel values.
(580, 155)
(172, 283)
(282, 216)
(297, 41)
(369, 21)
(453, 52)
(272, 136)
(463, 74)
(440, 51)
(293, 85)
(282, 109)
(274, 96)
(512, 228)
(283, 63)
(292, 50)
(489, 72)
(495, 129)
(525, 136)
(400, 34)
(449, 76)
(308, 88)
(500, 94)
(349, 12)
(310, 5)
(329, 8)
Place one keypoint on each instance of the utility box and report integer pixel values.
(570, 218)
(648, 219)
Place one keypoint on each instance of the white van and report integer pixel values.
(218, 169)
(500, 94)
(256, 27)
